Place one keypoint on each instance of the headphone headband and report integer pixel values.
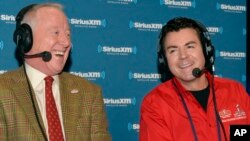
(21, 14)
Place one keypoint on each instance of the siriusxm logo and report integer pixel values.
(90, 23)
(145, 26)
(2, 71)
(119, 102)
(122, 1)
(215, 30)
(133, 126)
(111, 50)
(90, 75)
(7, 18)
(144, 76)
(231, 55)
(1, 45)
(178, 4)
(231, 8)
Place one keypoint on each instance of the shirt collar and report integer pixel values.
(35, 76)
(183, 90)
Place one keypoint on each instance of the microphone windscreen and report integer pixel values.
(196, 72)
(46, 56)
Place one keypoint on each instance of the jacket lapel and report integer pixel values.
(70, 102)
(23, 95)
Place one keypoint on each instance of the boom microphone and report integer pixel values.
(46, 56)
(198, 72)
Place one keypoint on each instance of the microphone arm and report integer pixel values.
(197, 72)
(46, 56)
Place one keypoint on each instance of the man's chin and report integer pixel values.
(56, 71)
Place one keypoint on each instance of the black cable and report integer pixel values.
(187, 111)
(216, 110)
(33, 104)
(189, 117)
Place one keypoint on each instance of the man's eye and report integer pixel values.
(190, 46)
(69, 35)
(171, 51)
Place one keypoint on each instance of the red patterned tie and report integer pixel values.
(54, 125)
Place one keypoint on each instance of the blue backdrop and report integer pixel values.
(248, 50)
(115, 44)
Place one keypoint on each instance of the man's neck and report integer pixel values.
(196, 84)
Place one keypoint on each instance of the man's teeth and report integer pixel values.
(59, 53)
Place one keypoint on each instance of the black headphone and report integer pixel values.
(207, 47)
(23, 33)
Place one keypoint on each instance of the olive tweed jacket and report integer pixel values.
(83, 111)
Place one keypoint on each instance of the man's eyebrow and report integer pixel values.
(190, 42)
(171, 46)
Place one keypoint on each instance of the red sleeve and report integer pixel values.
(245, 98)
(152, 124)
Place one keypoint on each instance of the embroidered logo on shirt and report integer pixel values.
(225, 113)
(239, 112)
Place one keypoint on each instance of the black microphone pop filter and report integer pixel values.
(46, 56)
(197, 72)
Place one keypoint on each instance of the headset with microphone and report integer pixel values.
(23, 36)
(207, 47)
(24, 40)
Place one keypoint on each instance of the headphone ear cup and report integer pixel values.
(161, 59)
(23, 37)
(210, 53)
(209, 48)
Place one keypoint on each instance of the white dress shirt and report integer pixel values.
(38, 84)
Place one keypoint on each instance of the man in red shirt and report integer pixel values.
(191, 104)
